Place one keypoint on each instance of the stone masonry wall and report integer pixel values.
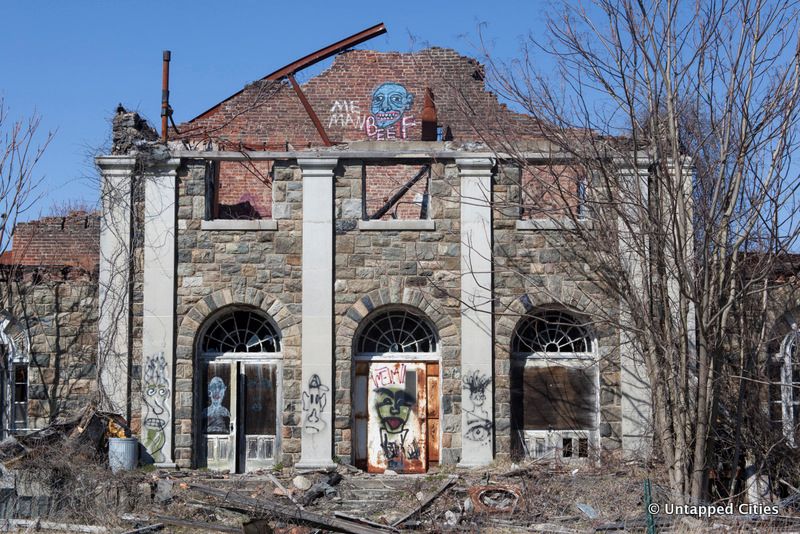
(219, 268)
(535, 269)
(58, 309)
(419, 269)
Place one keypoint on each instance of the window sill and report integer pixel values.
(424, 225)
(551, 224)
(239, 225)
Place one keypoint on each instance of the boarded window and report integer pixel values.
(554, 398)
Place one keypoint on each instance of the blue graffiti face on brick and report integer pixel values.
(389, 102)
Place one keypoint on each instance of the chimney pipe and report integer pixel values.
(429, 118)
(165, 109)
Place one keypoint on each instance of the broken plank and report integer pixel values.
(288, 513)
(318, 490)
(149, 528)
(286, 492)
(365, 521)
(178, 522)
(36, 524)
(424, 504)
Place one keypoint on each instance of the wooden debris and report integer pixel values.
(288, 513)
(284, 491)
(216, 527)
(36, 524)
(149, 528)
(424, 504)
(365, 521)
(318, 490)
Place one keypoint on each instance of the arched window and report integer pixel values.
(396, 331)
(553, 332)
(554, 386)
(14, 384)
(240, 331)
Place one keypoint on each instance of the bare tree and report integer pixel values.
(19, 154)
(674, 125)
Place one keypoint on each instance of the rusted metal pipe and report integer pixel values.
(165, 111)
(311, 113)
(429, 119)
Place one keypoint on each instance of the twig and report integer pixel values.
(280, 486)
(424, 504)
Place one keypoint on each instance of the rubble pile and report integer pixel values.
(58, 479)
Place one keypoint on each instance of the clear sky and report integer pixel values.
(73, 62)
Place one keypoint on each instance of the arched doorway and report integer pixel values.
(239, 357)
(396, 393)
(554, 387)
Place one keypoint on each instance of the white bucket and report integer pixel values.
(123, 454)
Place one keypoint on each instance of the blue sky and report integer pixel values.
(73, 62)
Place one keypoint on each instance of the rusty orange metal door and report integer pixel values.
(397, 431)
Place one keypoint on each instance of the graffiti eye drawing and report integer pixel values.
(479, 431)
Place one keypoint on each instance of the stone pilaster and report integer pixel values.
(114, 358)
(635, 406)
(317, 316)
(158, 319)
(477, 394)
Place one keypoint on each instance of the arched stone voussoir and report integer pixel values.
(410, 297)
(196, 316)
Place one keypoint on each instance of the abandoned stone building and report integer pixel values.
(335, 271)
(48, 320)
(315, 279)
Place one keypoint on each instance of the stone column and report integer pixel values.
(635, 405)
(113, 357)
(317, 315)
(158, 320)
(477, 393)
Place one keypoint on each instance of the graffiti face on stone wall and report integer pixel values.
(155, 392)
(216, 415)
(390, 101)
(314, 400)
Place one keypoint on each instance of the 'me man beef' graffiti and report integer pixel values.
(389, 114)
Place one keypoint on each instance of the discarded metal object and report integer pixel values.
(495, 499)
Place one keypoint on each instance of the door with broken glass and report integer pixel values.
(238, 410)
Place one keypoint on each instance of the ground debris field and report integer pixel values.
(58, 480)
(82, 495)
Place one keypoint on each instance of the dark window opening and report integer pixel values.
(239, 190)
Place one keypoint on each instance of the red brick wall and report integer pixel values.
(244, 190)
(383, 181)
(73, 241)
(269, 114)
(549, 191)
